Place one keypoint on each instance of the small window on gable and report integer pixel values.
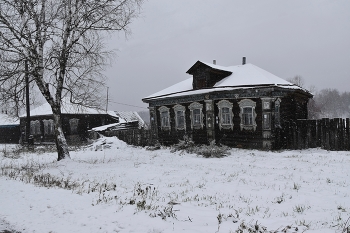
(73, 123)
(196, 115)
(225, 114)
(48, 127)
(180, 123)
(164, 118)
(247, 114)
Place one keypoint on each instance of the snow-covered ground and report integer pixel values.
(112, 187)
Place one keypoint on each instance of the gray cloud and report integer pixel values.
(287, 38)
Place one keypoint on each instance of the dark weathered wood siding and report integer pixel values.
(86, 122)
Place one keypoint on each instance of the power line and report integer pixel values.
(111, 101)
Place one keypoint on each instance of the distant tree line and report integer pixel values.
(326, 103)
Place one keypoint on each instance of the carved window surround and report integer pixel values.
(247, 114)
(225, 114)
(180, 117)
(164, 118)
(196, 115)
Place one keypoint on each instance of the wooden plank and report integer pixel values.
(347, 134)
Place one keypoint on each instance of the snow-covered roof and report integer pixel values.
(131, 117)
(8, 120)
(242, 76)
(67, 108)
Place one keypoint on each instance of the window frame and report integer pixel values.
(35, 127)
(196, 106)
(223, 124)
(49, 128)
(164, 124)
(244, 104)
(178, 109)
(277, 112)
(73, 126)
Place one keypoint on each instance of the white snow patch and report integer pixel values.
(308, 189)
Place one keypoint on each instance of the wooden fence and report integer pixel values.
(136, 137)
(329, 134)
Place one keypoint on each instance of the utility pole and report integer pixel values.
(27, 100)
(107, 100)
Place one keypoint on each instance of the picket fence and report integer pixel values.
(328, 134)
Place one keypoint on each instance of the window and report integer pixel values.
(247, 114)
(266, 121)
(196, 115)
(73, 123)
(225, 114)
(164, 118)
(48, 127)
(180, 123)
(277, 113)
(35, 127)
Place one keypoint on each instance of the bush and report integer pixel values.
(208, 151)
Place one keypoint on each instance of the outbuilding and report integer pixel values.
(77, 120)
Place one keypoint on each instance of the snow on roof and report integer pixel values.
(185, 85)
(8, 120)
(131, 117)
(67, 108)
(243, 76)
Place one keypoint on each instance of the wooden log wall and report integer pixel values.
(136, 137)
(328, 134)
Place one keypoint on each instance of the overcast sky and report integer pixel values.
(310, 38)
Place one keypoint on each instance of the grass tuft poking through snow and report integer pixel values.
(109, 186)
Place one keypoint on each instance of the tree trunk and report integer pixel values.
(61, 143)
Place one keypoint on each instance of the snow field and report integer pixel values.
(121, 188)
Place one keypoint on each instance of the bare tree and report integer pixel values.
(297, 80)
(62, 40)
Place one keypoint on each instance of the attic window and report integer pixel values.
(196, 115)
(180, 123)
(164, 118)
(247, 114)
(225, 114)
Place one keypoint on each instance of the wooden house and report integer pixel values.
(9, 129)
(240, 106)
(76, 121)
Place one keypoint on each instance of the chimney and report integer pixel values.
(243, 61)
(214, 62)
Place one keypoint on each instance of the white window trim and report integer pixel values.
(225, 104)
(179, 108)
(247, 103)
(192, 107)
(164, 109)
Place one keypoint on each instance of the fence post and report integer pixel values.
(347, 134)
